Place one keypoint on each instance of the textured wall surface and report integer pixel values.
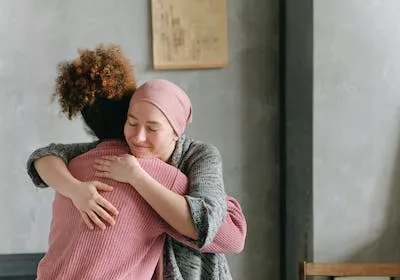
(235, 108)
(297, 116)
(356, 130)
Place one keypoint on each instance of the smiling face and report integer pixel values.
(148, 132)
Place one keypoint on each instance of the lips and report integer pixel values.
(138, 147)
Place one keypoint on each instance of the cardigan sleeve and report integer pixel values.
(206, 197)
(230, 237)
(66, 152)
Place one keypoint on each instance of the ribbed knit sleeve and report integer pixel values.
(206, 198)
(231, 236)
(64, 152)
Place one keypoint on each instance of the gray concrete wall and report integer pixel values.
(296, 133)
(235, 108)
(356, 130)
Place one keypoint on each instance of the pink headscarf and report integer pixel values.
(170, 99)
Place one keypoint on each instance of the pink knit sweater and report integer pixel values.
(128, 250)
(131, 248)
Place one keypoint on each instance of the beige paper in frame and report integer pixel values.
(189, 34)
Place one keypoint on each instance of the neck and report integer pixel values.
(167, 156)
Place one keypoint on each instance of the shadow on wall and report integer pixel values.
(260, 122)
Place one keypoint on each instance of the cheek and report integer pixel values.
(127, 131)
(161, 141)
(156, 141)
(152, 139)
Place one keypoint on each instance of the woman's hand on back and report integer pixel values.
(119, 168)
(85, 195)
(93, 208)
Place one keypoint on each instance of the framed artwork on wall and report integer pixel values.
(189, 34)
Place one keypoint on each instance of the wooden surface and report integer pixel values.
(349, 269)
(189, 34)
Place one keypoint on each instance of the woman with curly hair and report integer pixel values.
(157, 117)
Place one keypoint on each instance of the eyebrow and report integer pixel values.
(149, 122)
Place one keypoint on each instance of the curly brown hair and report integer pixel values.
(102, 73)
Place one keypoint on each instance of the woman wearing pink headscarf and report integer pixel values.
(158, 114)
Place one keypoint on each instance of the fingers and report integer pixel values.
(107, 206)
(102, 174)
(104, 163)
(104, 215)
(102, 187)
(96, 220)
(100, 167)
(96, 209)
(106, 160)
(86, 220)
(127, 156)
(109, 158)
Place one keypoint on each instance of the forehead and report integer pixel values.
(146, 112)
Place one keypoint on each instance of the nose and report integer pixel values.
(140, 135)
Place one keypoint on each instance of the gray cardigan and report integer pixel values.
(207, 201)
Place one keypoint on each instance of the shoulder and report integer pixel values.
(200, 150)
(190, 152)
